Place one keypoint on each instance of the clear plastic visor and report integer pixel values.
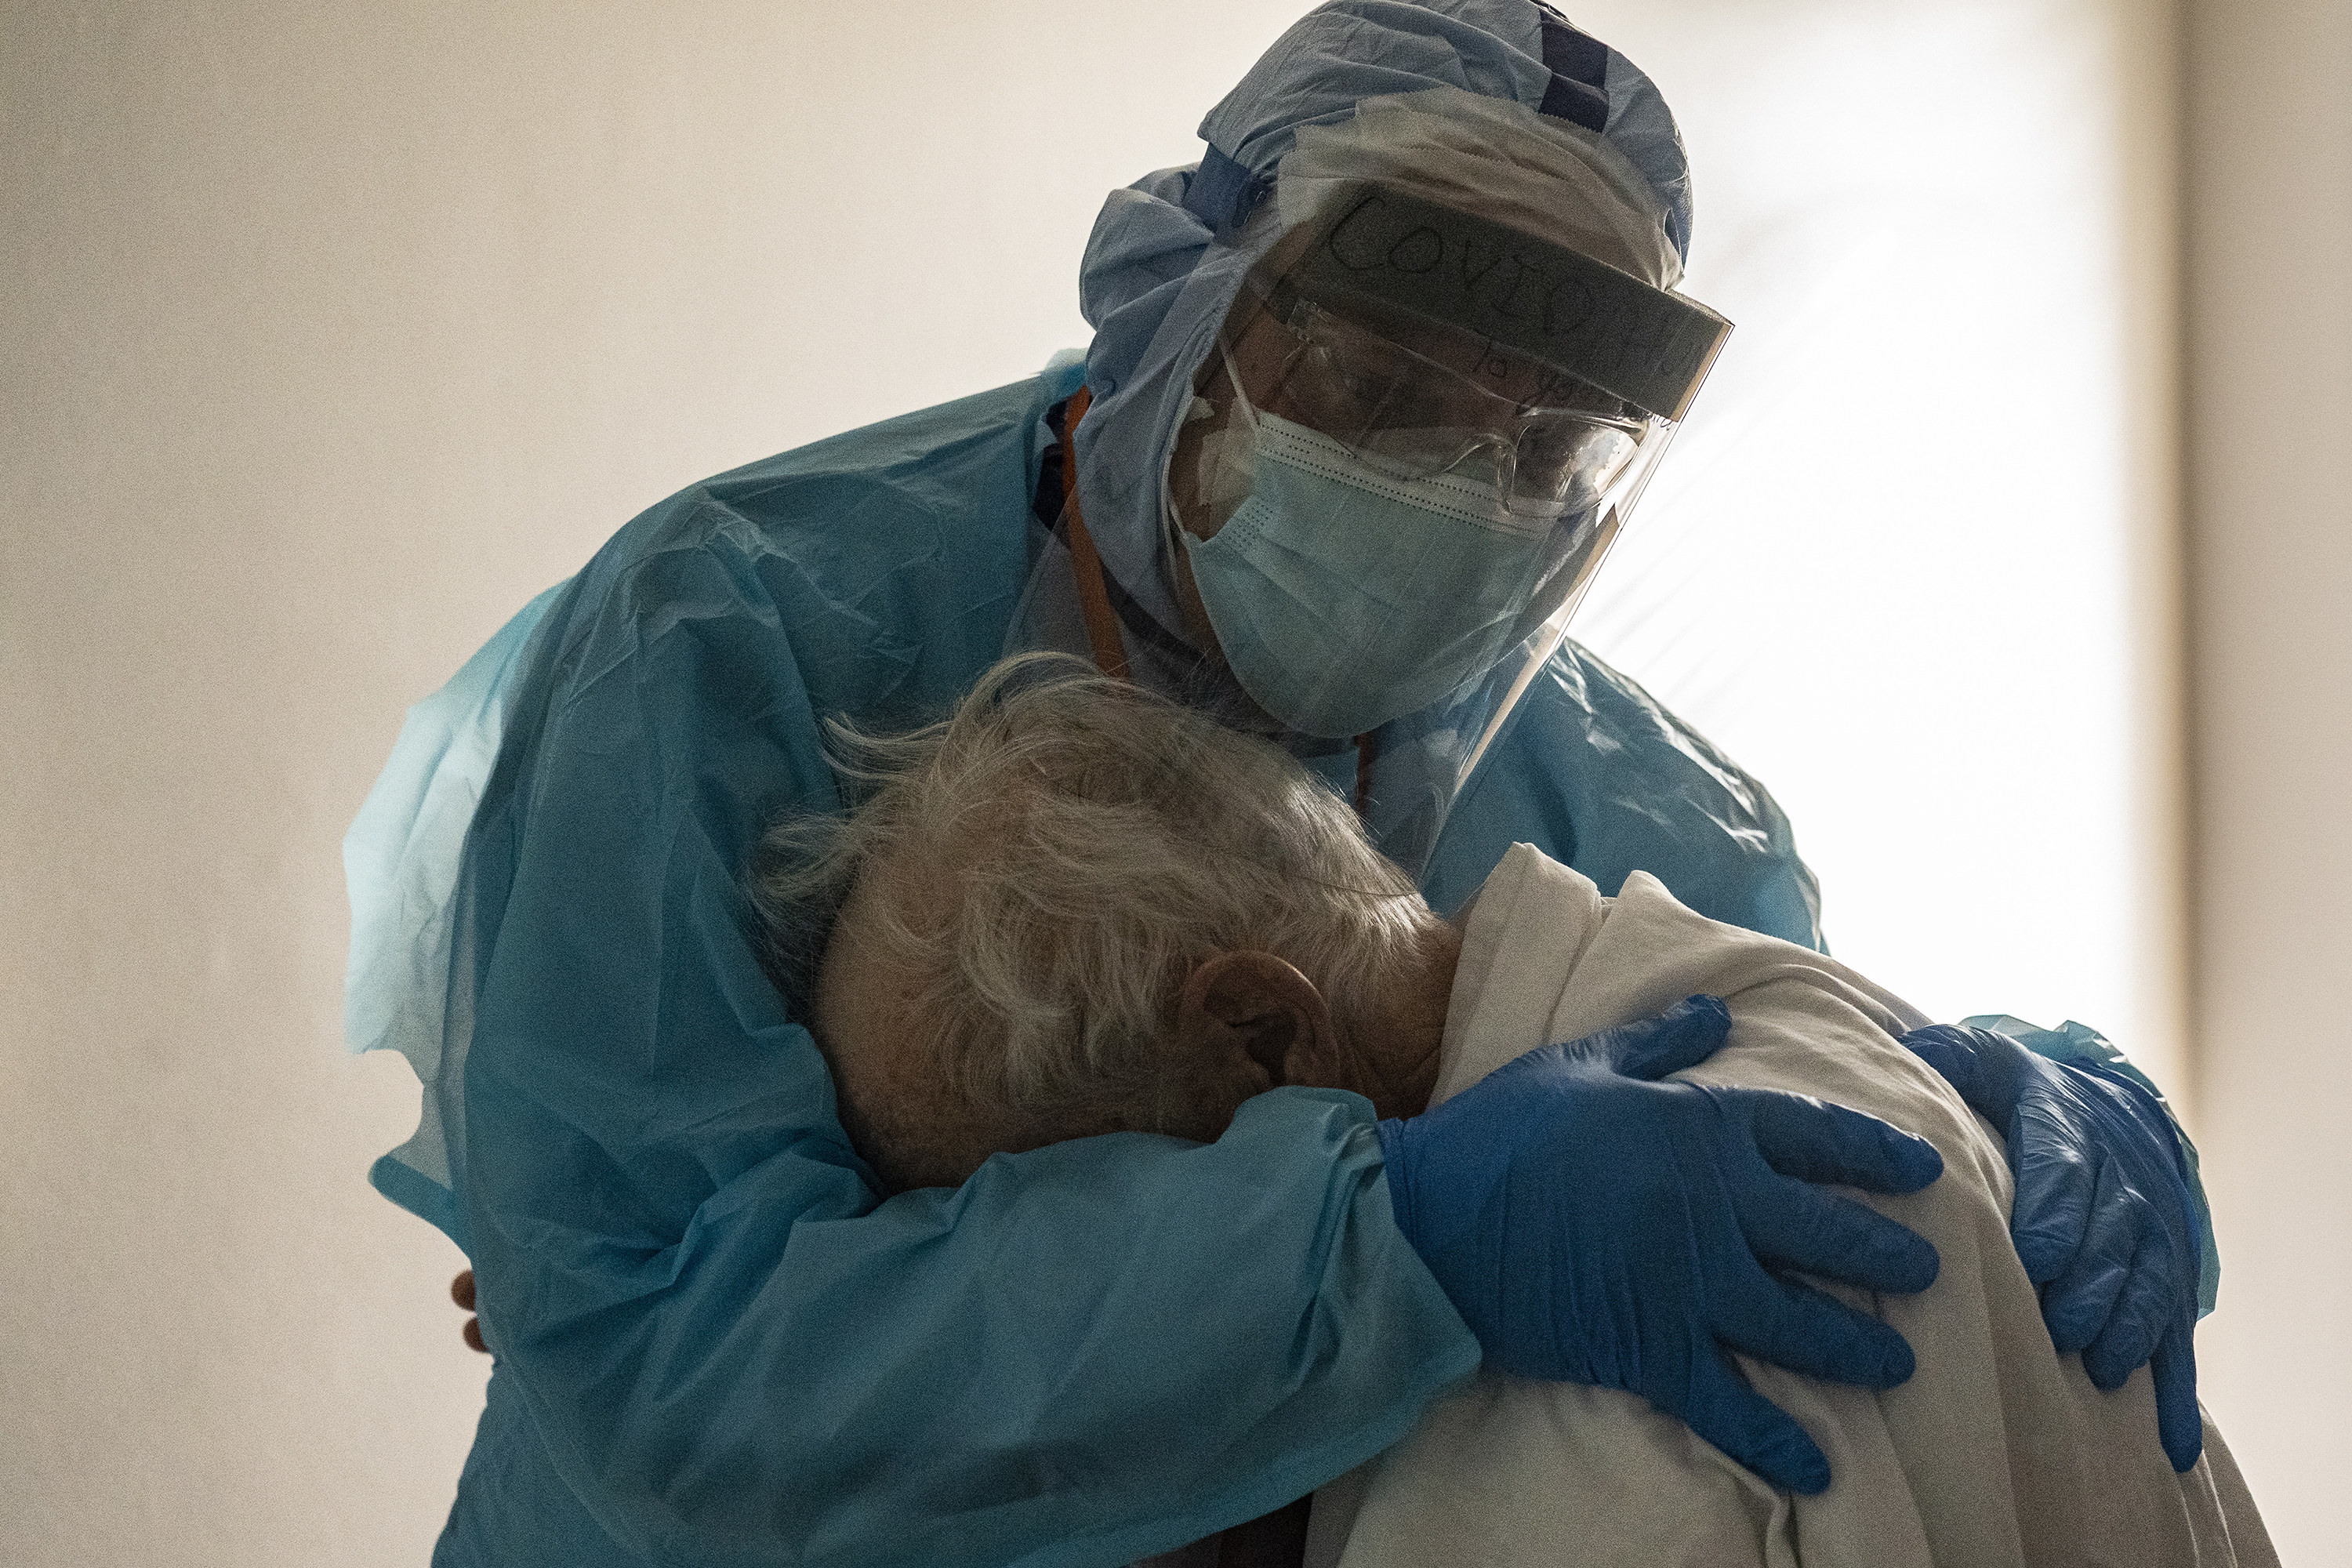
(1389, 519)
(1370, 526)
(1417, 402)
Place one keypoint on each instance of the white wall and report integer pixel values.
(334, 333)
(2270, 444)
(1912, 561)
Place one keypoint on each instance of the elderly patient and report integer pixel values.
(1074, 909)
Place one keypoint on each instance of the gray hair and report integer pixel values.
(1061, 851)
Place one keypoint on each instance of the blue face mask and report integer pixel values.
(1343, 597)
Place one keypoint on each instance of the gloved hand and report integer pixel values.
(2101, 1219)
(1594, 1227)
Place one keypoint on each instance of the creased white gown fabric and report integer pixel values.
(1995, 1452)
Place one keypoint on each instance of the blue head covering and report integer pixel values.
(1161, 271)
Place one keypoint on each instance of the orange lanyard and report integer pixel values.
(1093, 600)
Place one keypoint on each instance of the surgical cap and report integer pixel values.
(1162, 266)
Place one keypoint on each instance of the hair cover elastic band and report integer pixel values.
(1578, 63)
(1223, 192)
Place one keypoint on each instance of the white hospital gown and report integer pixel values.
(1996, 1452)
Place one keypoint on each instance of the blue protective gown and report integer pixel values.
(715, 1344)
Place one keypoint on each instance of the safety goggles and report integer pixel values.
(1433, 341)
(1547, 443)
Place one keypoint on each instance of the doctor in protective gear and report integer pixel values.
(1372, 388)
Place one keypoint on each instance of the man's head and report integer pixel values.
(1498, 108)
(1073, 908)
(1443, 264)
(1379, 487)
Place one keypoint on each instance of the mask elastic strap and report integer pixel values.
(1170, 521)
(1233, 374)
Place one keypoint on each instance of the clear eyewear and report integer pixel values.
(1405, 414)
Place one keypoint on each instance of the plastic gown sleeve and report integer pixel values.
(720, 1342)
(1597, 773)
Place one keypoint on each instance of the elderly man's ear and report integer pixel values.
(1254, 1020)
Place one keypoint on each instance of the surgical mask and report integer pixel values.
(1344, 597)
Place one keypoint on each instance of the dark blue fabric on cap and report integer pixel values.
(1221, 192)
(1579, 75)
(1348, 51)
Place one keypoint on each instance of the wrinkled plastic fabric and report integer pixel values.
(401, 861)
(712, 1340)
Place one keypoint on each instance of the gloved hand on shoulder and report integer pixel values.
(1594, 1225)
(2102, 1220)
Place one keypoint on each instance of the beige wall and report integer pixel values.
(330, 334)
(2270, 567)
(334, 333)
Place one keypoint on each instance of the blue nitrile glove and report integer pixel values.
(1592, 1225)
(2101, 1219)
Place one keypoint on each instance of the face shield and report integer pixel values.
(1390, 423)
(1419, 432)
